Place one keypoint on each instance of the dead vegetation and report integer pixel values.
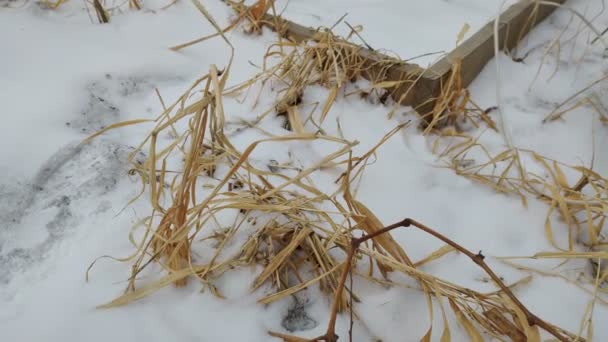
(291, 225)
(104, 9)
(298, 235)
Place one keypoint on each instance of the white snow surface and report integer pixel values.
(63, 77)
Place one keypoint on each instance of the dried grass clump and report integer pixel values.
(330, 63)
(255, 15)
(335, 60)
(296, 234)
(104, 10)
(289, 234)
(582, 205)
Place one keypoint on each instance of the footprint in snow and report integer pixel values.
(43, 211)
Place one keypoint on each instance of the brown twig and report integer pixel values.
(477, 258)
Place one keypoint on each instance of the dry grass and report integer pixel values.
(102, 14)
(293, 227)
(300, 236)
(105, 9)
(582, 205)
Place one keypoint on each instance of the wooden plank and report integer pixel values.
(475, 52)
(515, 23)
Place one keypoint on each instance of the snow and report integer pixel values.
(62, 205)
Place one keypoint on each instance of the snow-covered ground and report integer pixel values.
(62, 205)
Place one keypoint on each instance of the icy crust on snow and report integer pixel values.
(409, 28)
(62, 204)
